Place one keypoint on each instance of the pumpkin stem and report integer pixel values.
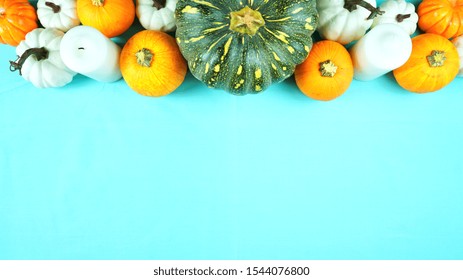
(144, 57)
(98, 3)
(351, 5)
(246, 21)
(56, 8)
(401, 17)
(436, 58)
(159, 4)
(39, 53)
(328, 68)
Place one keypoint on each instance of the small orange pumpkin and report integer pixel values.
(111, 17)
(17, 18)
(433, 64)
(443, 17)
(326, 73)
(151, 63)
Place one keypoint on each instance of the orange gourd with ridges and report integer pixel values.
(442, 17)
(111, 17)
(433, 64)
(327, 72)
(17, 18)
(151, 63)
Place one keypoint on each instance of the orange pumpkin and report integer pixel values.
(151, 63)
(111, 17)
(433, 64)
(327, 72)
(17, 18)
(443, 17)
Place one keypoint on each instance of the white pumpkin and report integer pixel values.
(60, 14)
(399, 12)
(157, 14)
(458, 43)
(39, 59)
(345, 21)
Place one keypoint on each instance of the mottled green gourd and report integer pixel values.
(244, 46)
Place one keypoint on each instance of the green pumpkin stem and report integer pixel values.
(56, 8)
(401, 17)
(328, 68)
(351, 5)
(436, 58)
(159, 4)
(246, 21)
(144, 57)
(39, 53)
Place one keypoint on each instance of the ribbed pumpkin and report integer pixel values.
(326, 73)
(110, 17)
(433, 64)
(152, 64)
(17, 18)
(244, 46)
(39, 60)
(156, 14)
(443, 17)
(60, 14)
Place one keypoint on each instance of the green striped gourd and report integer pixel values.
(244, 46)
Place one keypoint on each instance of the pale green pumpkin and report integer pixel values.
(244, 46)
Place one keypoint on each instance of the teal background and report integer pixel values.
(96, 171)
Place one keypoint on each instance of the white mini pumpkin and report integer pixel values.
(458, 43)
(39, 60)
(60, 14)
(345, 21)
(157, 14)
(398, 12)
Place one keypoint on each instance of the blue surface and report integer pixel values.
(96, 171)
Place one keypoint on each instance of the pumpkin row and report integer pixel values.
(111, 17)
(380, 42)
(245, 46)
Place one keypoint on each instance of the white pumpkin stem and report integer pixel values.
(351, 5)
(159, 4)
(56, 8)
(39, 53)
(401, 17)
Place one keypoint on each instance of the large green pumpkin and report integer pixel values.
(244, 46)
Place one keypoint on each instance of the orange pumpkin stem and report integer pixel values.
(144, 57)
(98, 3)
(39, 53)
(328, 68)
(246, 21)
(436, 58)
(351, 5)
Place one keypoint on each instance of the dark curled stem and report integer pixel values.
(351, 5)
(39, 53)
